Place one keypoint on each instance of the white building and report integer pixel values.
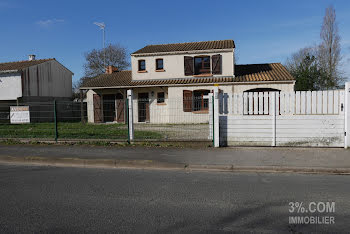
(34, 81)
(171, 82)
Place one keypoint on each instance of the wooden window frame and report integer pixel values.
(159, 69)
(202, 108)
(139, 65)
(207, 71)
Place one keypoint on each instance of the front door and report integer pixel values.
(143, 107)
(120, 108)
(109, 108)
(97, 108)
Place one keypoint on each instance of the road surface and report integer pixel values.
(58, 199)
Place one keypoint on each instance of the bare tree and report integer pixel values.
(297, 58)
(116, 55)
(329, 50)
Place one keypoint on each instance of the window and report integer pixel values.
(195, 100)
(201, 65)
(142, 65)
(160, 97)
(159, 64)
(200, 103)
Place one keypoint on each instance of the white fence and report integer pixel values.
(303, 118)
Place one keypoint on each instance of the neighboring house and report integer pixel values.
(170, 82)
(34, 81)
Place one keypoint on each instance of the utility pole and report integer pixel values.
(102, 26)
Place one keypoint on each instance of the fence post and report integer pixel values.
(216, 117)
(273, 110)
(130, 116)
(347, 115)
(82, 106)
(55, 119)
(211, 117)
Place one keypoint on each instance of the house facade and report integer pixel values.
(34, 81)
(171, 82)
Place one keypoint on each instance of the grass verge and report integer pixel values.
(73, 131)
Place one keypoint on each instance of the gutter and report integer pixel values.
(9, 71)
(184, 52)
(192, 84)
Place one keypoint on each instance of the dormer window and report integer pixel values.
(142, 65)
(159, 65)
(201, 65)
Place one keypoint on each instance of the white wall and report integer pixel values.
(292, 130)
(10, 86)
(174, 65)
(302, 119)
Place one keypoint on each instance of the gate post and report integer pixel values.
(130, 116)
(216, 117)
(211, 116)
(347, 115)
(273, 110)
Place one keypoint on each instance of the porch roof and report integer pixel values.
(273, 72)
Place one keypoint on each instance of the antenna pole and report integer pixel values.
(103, 26)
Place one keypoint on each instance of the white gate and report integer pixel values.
(302, 118)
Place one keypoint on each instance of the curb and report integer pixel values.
(150, 164)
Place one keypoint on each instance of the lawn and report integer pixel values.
(73, 131)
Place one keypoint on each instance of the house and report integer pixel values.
(170, 82)
(34, 81)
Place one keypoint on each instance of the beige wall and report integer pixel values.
(159, 113)
(174, 65)
(176, 113)
(90, 100)
(172, 110)
(90, 105)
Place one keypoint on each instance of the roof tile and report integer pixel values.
(21, 64)
(243, 73)
(188, 46)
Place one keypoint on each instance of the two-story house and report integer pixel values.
(171, 82)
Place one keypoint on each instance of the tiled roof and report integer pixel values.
(120, 78)
(262, 72)
(21, 64)
(243, 73)
(189, 46)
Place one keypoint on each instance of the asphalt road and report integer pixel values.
(50, 199)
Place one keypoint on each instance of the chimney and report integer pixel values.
(111, 69)
(31, 57)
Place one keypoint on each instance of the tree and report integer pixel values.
(76, 92)
(329, 50)
(321, 63)
(304, 67)
(116, 55)
(307, 75)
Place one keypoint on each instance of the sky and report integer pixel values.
(263, 31)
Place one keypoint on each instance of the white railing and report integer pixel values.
(292, 103)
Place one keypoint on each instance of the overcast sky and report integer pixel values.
(264, 31)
